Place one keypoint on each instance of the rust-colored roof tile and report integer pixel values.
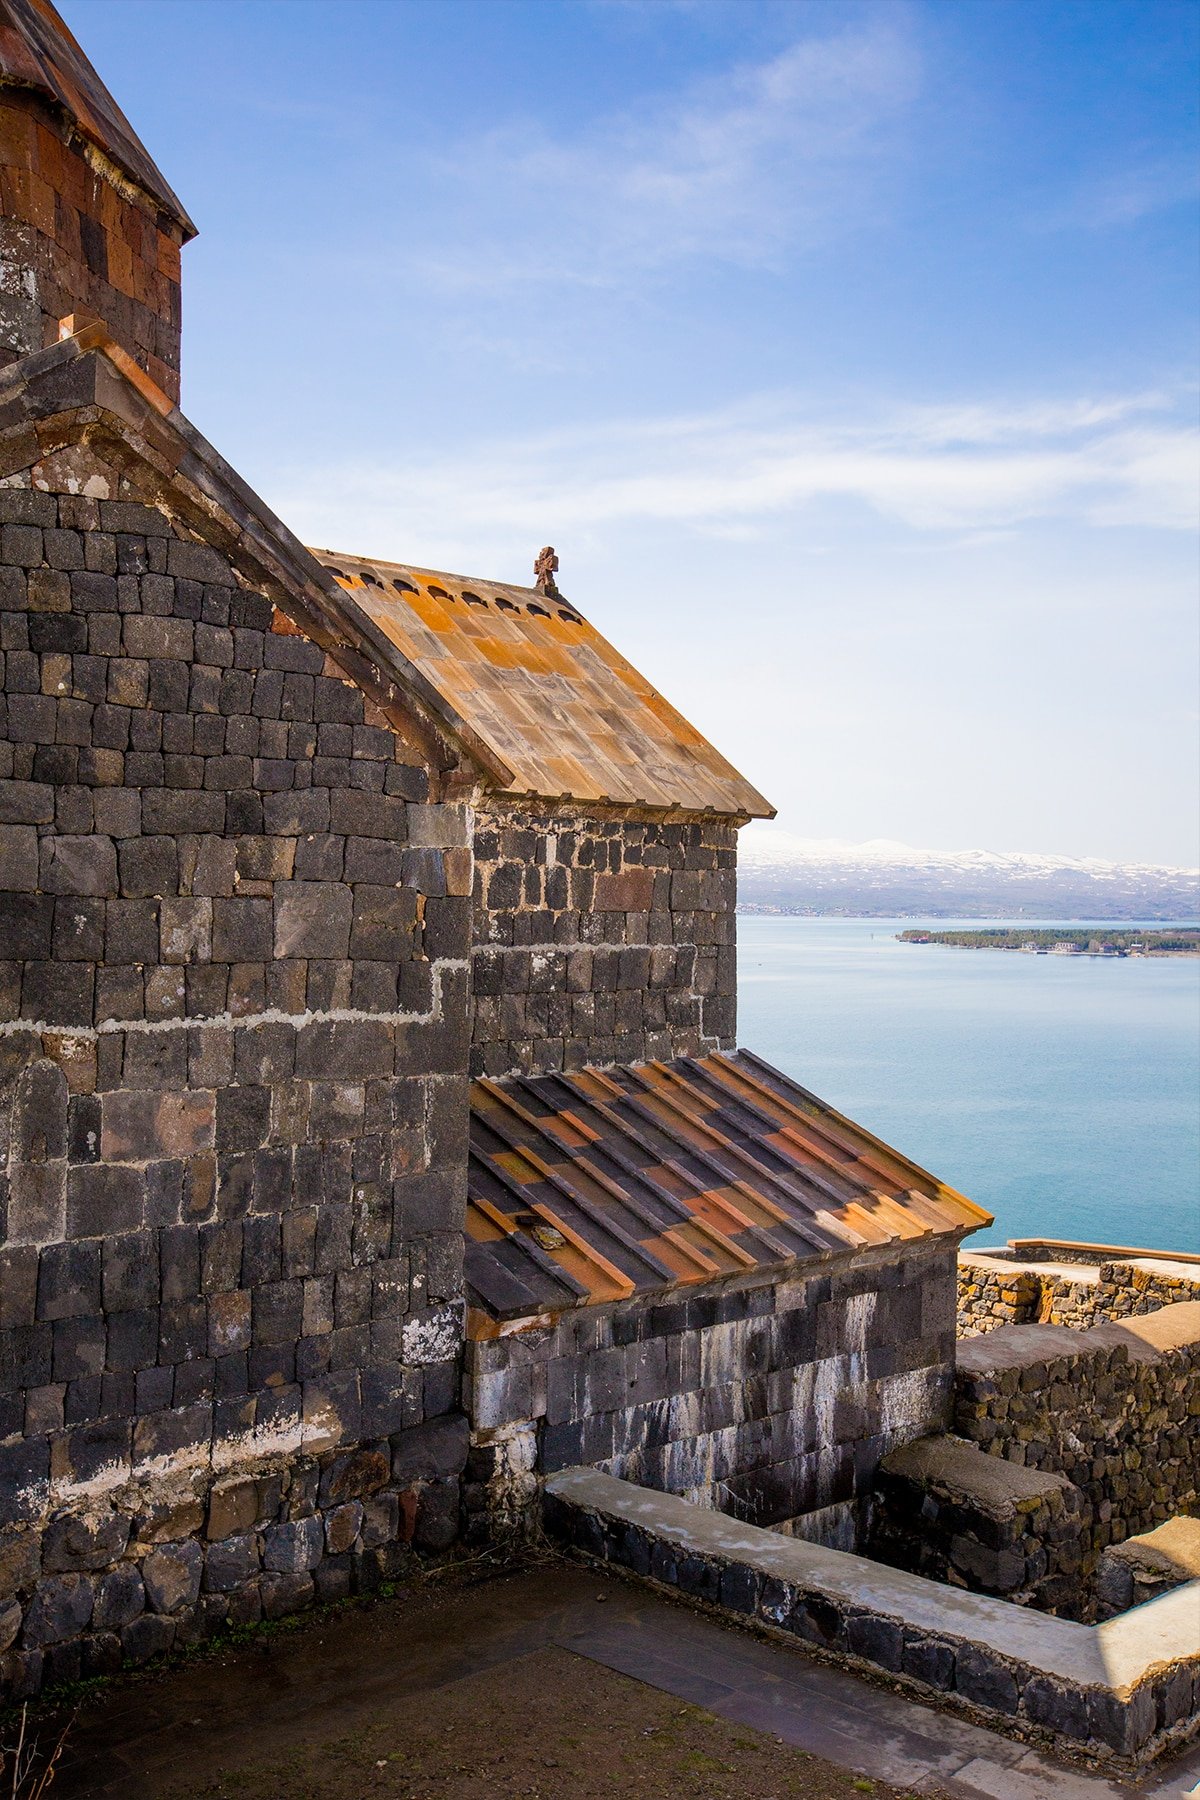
(656, 1175)
(545, 692)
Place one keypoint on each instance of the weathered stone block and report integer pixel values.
(982, 1678)
(147, 1636)
(120, 1597)
(172, 1574)
(232, 1563)
(60, 1609)
(293, 1548)
(76, 1541)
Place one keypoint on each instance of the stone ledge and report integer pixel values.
(1143, 1339)
(1125, 1690)
(1154, 1562)
(961, 1470)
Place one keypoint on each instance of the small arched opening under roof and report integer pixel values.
(370, 577)
(473, 599)
(439, 593)
(401, 586)
(541, 611)
(507, 605)
(338, 574)
(570, 617)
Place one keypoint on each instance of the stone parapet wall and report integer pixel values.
(1121, 1692)
(995, 1291)
(1153, 1563)
(234, 964)
(1115, 1409)
(600, 940)
(773, 1402)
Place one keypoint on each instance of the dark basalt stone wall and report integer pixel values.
(600, 940)
(234, 960)
(772, 1400)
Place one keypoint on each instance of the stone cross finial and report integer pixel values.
(545, 568)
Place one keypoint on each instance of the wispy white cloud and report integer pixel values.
(1126, 196)
(740, 167)
(972, 468)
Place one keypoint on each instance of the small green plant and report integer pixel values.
(19, 1763)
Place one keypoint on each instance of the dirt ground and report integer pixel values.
(551, 1726)
(480, 1685)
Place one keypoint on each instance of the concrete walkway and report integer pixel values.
(332, 1675)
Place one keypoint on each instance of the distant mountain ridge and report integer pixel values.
(781, 872)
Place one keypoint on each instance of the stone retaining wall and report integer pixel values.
(943, 1508)
(1000, 1290)
(1115, 1409)
(1123, 1691)
(167, 1561)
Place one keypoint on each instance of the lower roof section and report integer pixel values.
(606, 1183)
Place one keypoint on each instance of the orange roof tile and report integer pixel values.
(647, 1176)
(559, 707)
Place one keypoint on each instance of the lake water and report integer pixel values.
(1061, 1092)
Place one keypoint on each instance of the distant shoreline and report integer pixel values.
(1067, 940)
(753, 909)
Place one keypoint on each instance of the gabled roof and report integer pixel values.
(611, 1182)
(551, 698)
(37, 51)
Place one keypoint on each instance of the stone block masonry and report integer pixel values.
(234, 962)
(1115, 1410)
(944, 1508)
(600, 940)
(772, 1402)
(1148, 1565)
(78, 239)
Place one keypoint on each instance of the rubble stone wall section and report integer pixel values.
(991, 1295)
(772, 1402)
(234, 964)
(600, 940)
(72, 239)
(945, 1509)
(1119, 1418)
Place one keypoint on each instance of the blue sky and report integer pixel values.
(846, 352)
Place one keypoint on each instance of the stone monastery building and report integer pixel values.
(373, 1134)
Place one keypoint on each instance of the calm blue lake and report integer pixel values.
(1062, 1093)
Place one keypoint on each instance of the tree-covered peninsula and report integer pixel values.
(1068, 940)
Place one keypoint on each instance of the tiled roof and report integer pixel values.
(556, 704)
(37, 51)
(609, 1182)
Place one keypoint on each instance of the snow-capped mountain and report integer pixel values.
(780, 872)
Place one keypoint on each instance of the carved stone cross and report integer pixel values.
(545, 568)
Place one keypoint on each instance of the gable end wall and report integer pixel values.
(600, 940)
